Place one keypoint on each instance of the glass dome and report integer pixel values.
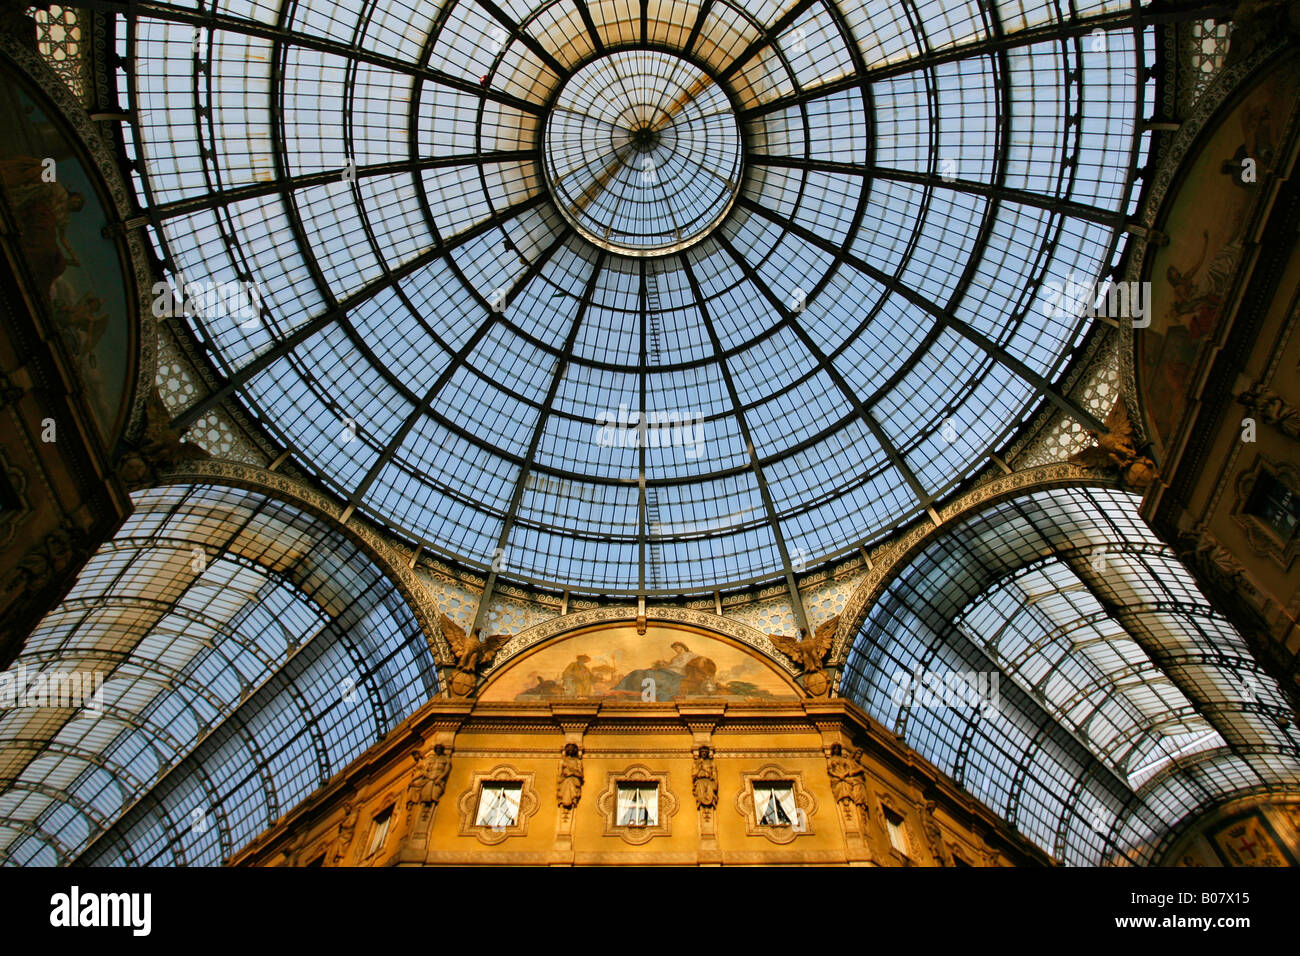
(638, 298)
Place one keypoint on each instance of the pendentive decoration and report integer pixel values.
(159, 448)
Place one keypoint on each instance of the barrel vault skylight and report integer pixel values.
(246, 653)
(638, 297)
(1126, 703)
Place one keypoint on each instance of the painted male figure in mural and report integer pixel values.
(577, 677)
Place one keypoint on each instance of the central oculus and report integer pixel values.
(642, 152)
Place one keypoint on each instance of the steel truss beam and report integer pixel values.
(539, 429)
(1056, 204)
(945, 317)
(1046, 33)
(769, 506)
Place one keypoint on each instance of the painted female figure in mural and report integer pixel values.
(568, 789)
(1191, 307)
(685, 674)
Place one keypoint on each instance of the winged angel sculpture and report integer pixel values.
(810, 654)
(471, 655)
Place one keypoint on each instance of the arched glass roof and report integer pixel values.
(247, 652)
(1127, 703)
(638, 297)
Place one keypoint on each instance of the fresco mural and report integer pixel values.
(1190, 277)
(60, 221)
(616, 663)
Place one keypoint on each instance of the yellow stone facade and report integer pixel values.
(851, 782)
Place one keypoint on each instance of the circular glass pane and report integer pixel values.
(642, 152)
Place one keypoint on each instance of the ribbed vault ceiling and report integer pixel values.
(638, 297)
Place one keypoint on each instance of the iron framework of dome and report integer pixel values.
(639, 298)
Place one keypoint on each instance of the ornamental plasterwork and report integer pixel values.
(177, 384)
(610, 615)
(18, 485)
(773, 616)
(529, 804)
(889, 557)
(104, 163)
(216, 434)
(1203, 46)
(1096, 391)
(507, 616)
(1261, 538)
(607, 804)
(828, 599)
(450, 598)
(61, 41)
(418, 597)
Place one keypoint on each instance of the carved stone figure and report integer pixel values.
(1202, 550)
(569, 789)
(860, 795)
(44, 561)
(348, 827)
(471, 655)
(426, 787)
(934, 836)
(1256, 23)
(1273, 408)
(809, 655)
(1116, 450)
(430, 778)
(705, 779)
(842, 773)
